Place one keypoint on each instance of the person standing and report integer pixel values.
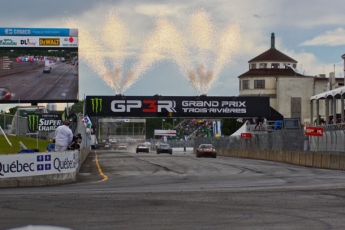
(63, 136)
(93, 141)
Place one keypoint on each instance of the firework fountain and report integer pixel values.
(201, 53)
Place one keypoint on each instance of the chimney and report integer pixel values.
(343, 57)
(272, 41)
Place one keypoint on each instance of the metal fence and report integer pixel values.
(18, 126)
(333, 141)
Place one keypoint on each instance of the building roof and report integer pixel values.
(329, 94)
(272, 72)
(343, 56)
(273, 55)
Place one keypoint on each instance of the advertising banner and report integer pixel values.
(179, 106)
(34, 164)
(49, 121)
(26, 41)
(314, 131)
(55, 32)
(246, 135)
(43, 122)
(165, 132)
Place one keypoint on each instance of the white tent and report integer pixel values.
(243, 129)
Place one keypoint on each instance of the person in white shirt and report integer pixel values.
(93, 141)
(63, 137)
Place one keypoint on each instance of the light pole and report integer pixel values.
(174, 122)
(163, 122)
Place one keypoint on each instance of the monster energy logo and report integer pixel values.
(96, 104)
(33, 122)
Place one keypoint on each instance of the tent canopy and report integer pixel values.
(243, 129)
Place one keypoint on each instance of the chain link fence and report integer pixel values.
(332, 141)
(18, 126)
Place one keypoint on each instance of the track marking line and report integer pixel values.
(105, 177)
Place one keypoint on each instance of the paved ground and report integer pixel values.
(125, 190)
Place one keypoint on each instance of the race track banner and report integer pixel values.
(170, 106)
(49, 121)
(171, 133)
(43, 122)
(34, 164)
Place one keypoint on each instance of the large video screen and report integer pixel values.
(38, 65)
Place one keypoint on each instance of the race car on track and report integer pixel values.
(121, 146)
(142, 148)
(47, 69)
(206, 150)
(5, 94)
(164, 148)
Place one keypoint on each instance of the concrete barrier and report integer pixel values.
(325, 161)
(302, 159)
(309, 159)
(47, 179)
(342, 162)
(295, 158)
(317, 161)
(335, 161)
(288, 158)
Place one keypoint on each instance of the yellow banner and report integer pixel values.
(49, 41)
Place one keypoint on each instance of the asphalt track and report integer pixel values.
(125, 190)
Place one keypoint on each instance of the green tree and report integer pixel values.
(151, 125)
(13, 110)
(229, 126)
(77, 107)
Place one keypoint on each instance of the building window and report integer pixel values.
(259, 84)
(253, 66)
(263, 65)
(240, 85)
(275, 65)
(245, 84)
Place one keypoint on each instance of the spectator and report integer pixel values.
(51, 147)
(93, 141)
(79, 138)
(259, 122)
(75, 144)
(63, 136)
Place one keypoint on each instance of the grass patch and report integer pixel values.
(30, 143)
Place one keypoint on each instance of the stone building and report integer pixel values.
(275, 75)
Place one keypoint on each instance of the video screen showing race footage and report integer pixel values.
(38, 75)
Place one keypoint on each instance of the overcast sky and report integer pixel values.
(311, 32)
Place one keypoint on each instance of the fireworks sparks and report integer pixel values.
(164, 42)
(213, 50)
(200, 54)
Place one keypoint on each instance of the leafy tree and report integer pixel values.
(77, 107)
(229, 126)
(151, 125)
(13, 110)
